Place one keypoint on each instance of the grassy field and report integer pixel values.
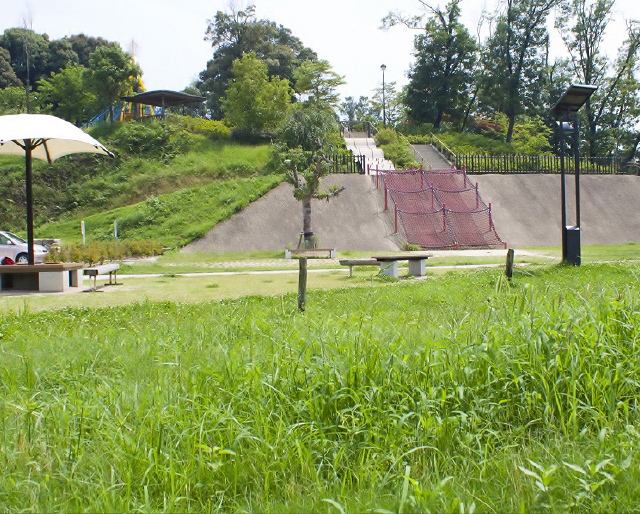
(460, 393)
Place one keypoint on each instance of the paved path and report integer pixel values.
(431, 156)
(374, 156)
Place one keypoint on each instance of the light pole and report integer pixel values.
(566, 112)
(384, 108)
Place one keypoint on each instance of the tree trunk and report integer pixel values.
(438, 120)
(632, 153)
(306, 223)
(466, 113)
(512, 121)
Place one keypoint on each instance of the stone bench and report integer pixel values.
(94, 271)
(54, 277)
(358, 262)
(417, 263)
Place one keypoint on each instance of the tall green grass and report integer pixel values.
(457, 394)
(172, 219)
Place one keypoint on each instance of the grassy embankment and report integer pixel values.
(461, 393)
(167, 184)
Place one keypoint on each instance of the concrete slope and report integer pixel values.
(526, 208)
(348, 222)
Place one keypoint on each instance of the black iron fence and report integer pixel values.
(532, 163)
(347, 163)
(536, 164)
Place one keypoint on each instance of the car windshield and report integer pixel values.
(17, 239)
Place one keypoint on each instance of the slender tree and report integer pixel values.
(445, 56)
(306, 136)
(514, 57)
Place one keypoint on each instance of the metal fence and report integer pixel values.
(536, 164)
(345, 163)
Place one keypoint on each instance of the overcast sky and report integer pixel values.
(169, 34)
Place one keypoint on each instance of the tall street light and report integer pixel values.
(384, 109)
(565, 111)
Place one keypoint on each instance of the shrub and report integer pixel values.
(99, 252)
(386, 136)
(151, 139)
(213, 129)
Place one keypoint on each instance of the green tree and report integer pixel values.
(318, 82)
(29, 53)
(112, 74)
(354, 110)
(8, 77)
(442, 74)
(394, 103)
(13, 100)
(65, 94)
(305, 137)
(254, 103)
(235, 34)
(514, 59)
(83, 46)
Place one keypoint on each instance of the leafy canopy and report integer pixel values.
(254, 102)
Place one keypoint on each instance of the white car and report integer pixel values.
(16, 248)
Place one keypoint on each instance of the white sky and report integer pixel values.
(169, 34)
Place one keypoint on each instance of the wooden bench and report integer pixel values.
(417, 263)
(358, 262)
(94, 271)
(54, 277)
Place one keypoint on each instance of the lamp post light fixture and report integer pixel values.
(565, 111)
(384, 109)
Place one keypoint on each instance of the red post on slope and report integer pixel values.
(490, 217)
(477, 196)
(444, 217)
(386, 204)
(396, 214)
(368, 172)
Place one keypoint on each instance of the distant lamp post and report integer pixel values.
(565, 111)
(384, 107)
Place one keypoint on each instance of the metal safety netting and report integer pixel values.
(439, 209)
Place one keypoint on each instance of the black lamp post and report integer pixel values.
(384, 110)
(566, 112)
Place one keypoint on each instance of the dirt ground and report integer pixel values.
(525, 208)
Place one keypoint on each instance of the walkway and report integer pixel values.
(431, 156)
(359, 144)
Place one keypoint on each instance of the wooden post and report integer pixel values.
(509, 266)
(302, 284)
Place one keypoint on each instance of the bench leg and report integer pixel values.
(390, 269)
(417, 268)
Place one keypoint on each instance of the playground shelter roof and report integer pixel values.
(164, 98)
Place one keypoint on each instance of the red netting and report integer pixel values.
(473, 228)
(440, 209)
(406, 180)
(428, 230)
(419, 202)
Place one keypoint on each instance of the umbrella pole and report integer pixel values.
(29, 198)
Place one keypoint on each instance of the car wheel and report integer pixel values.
(22, 258)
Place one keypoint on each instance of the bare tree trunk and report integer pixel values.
(306, 223)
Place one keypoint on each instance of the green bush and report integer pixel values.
(386, 136)
(99, 252)
(213, 129)
(151, 139)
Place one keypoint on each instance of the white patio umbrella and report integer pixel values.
(43, 137)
